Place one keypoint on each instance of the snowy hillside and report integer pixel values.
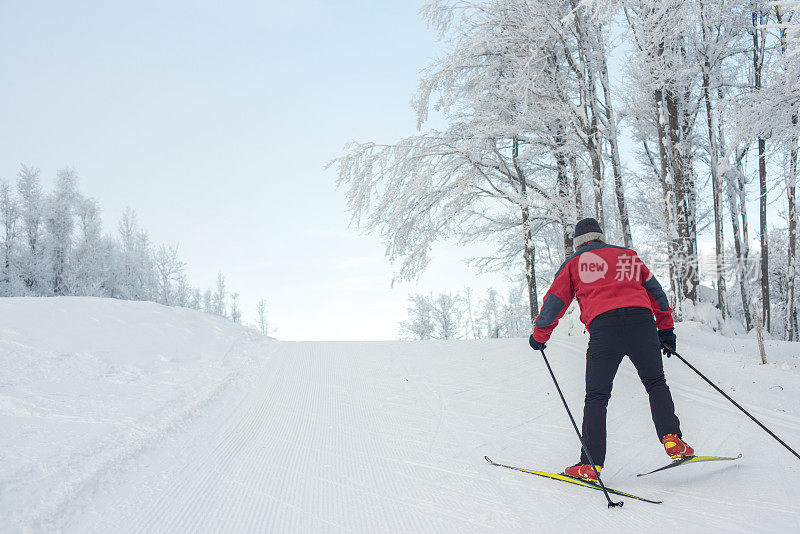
(87, 384)
(132, 417)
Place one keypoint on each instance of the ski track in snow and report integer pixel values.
(81, 474)
(390, 437)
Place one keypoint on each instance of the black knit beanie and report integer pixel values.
(587, 230)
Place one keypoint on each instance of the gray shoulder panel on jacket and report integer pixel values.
(551, 307)
(657, 292)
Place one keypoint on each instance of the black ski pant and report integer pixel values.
(614, 334)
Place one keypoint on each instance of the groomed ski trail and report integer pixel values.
(390, 437)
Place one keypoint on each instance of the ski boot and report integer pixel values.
(675, 447)
(582, 471)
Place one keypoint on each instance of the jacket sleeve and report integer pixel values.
(555, 304)
(658, 299)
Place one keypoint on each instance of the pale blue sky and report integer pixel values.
(214, 120)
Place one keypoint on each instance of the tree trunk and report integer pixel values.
(731, 188)
(759, 19)
(742, 195)
(741, 253)
(791, 312)
(791, 334)
(759, 336)
(529, 252)
(594, 156)
(762, 213)
(667, 211)
(566, 206)
(589, 104)
(566, 212)
(670, 215)
(693, 267)
(717, 194)
(567, 215)
(530, 271)
(576, 186)
(58, 271)
(611, 136)
(682, 199)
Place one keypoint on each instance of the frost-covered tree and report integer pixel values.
(420, 318)
(169, 269)
(780, 284)
(219, 301)
(786, 88)
(491, 315)
(467, 305)
(53, 244)
(135, 275)
(32, 267)
(664, 76)
(60, 225)
(262, 323)
(446, 316)
(195, 299)
(718, 41)
(525, 89)
(236, 313)
(182, 292)
(208, 301)
(760, 17)
(514, 314)
(766, 124)
(9, 220)
(489, 174)
(90, 266)
(432, 317)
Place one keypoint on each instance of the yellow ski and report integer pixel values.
(690, 460)
(577, 481)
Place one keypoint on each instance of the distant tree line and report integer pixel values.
(53, 244)
(463, 316)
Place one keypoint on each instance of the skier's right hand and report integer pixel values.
(536, 345)
(667, 339)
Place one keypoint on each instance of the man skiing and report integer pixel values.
(618, 297)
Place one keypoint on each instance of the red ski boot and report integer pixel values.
(675, 447)
(582, 471)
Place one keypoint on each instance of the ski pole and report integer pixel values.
(611, 503)
(756, 421)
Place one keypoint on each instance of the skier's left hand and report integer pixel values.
(536, 345)
(667, 340)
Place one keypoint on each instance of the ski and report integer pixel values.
(577, 481)
(690, 460)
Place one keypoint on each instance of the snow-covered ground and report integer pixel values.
(132, 417)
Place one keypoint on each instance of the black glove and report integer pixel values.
(667, 339)
(536, 345)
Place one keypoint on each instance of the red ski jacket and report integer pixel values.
(603, 277)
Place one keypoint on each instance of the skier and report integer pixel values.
(618, 297)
